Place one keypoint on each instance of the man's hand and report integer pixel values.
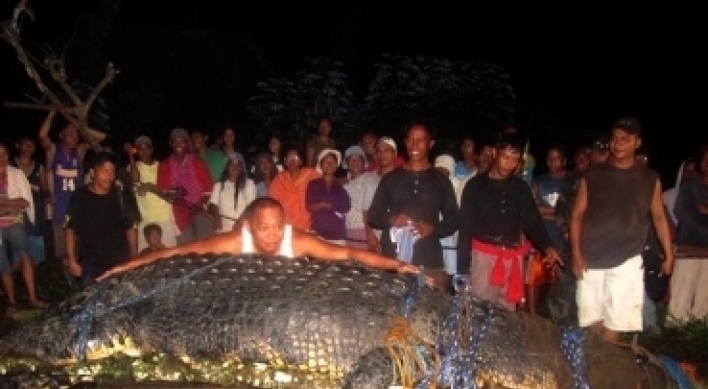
(407, 268)
(400, 220)
(579, 266)
(141, 190)
(119, 269)
(129, 149)
(373, 243)
(667, 267)
(552, 257)
(422, 229)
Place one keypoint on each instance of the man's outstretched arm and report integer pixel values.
(226, 243)
(308, 245)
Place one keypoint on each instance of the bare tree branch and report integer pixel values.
(111, 72)
(34, 107)
(76, 115)
(36, 100)
(58, 72)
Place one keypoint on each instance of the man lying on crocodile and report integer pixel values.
(264, 231)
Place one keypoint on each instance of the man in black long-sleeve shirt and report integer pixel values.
(418, 197)
(497, 208)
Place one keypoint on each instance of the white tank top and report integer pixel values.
(286, 246)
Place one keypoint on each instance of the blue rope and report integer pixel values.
(675, 371)
(459, 363)
(84, 320)
(572, 344)
(408, 298)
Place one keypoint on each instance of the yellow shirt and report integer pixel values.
(152, 208)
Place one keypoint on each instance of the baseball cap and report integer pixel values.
(601, 145)
(178, 133)
(143, 141)
(629, 124)
(354, 150)
(389, 141)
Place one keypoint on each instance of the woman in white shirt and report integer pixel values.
(361, 188)
(231, 194)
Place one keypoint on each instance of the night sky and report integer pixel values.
(586, 64)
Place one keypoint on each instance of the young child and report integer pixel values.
(153, 237)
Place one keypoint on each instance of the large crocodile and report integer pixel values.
(276, 322)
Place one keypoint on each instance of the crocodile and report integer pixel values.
(265, 321)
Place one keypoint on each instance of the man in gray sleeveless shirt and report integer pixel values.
(610, 219)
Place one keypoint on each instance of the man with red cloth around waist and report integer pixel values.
(497, 210)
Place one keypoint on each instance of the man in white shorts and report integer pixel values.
(610, 219)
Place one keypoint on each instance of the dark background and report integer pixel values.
(586, 64)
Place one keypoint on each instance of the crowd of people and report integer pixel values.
(481, 217)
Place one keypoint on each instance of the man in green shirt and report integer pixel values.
(215, 159)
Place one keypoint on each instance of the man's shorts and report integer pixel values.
(15, 245)
(613, 297)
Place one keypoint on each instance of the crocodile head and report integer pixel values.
(79, 329)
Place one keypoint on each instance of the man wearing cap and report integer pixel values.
(187, 173)
(369, 143)
(386, 156)
(415, 206)
(600, 151)
(153, 208)
(614, 207)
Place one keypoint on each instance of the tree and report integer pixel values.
(456, 96)
(72, 99)
(291, 107)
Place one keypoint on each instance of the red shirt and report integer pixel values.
(193, 175)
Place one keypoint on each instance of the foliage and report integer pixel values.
(684, 342)
(456, 96)
(292, 107)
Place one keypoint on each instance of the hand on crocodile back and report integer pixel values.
(264, 231)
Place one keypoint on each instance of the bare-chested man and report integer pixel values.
(264, 231)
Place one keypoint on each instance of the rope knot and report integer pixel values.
(408, 351)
